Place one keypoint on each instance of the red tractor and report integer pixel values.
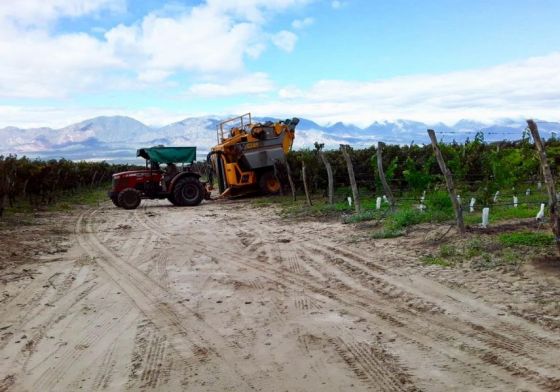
(181, 187)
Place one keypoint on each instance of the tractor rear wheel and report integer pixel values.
(269, 183)
(129, 199)
(188, 191)
(171, 199)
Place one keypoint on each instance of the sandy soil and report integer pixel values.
(227, 297)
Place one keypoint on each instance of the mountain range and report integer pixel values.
(115, 138)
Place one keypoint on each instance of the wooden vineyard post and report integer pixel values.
(448, 181)
(386, 188)
(344, 149)
(277, 175)
(548, 180)
(304, 177)
(329, 175)
(290, 179)
(3, 201)
(93, 179)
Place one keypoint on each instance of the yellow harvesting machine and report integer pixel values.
(244, 159)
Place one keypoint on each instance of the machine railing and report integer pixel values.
(243, 121)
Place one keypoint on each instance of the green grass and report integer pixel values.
(387, 233)
(502, 213)
(447, 251)
(404, 218)
(437, 260)
(475, 252)
(473, 248)
(526, 238)
(493, 251)
(364, 216)
(263, 202)
(83, 197)
(394, 224)
(299, 208)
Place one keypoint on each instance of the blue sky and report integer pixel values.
(350, 60)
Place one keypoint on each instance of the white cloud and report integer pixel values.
(211, 43)
(254, 10)
(521, 89)
(516, 90)
(201, 40)
(31, 12)
(258, 83)
(37, 65)
(59, 117)
(285, 40)
(213, 39)
(337, 4)
(302, 23)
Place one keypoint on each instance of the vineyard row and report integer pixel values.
(41, 182)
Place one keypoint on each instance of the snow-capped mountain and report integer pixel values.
(116, 138)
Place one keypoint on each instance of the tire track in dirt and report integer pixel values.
(27, 302)
(232, 257)
(154, 358)
(372, 365)
(62, 308)
(39, 322)
(69, 355)
(30, 302)
(306, 304)
(38, 332)
(161, 260)
(295, 283)
(242, 339)
(409, 327)
(155, 302)
(362, 362)
(386, 285)
(275, 307)
(102, 378)
(458, 306)
(414, 321)
(520, 347)
(149, 365)
(453, 329)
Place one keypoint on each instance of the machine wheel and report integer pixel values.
(129, 199)
(269, 183)
(188, 192)
(171, 199)
(115, 200)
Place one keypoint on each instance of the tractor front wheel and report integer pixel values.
(115, 200)
(188, 191)
(269, 183)
(129, 199)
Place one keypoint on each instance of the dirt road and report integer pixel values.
(228, 297)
